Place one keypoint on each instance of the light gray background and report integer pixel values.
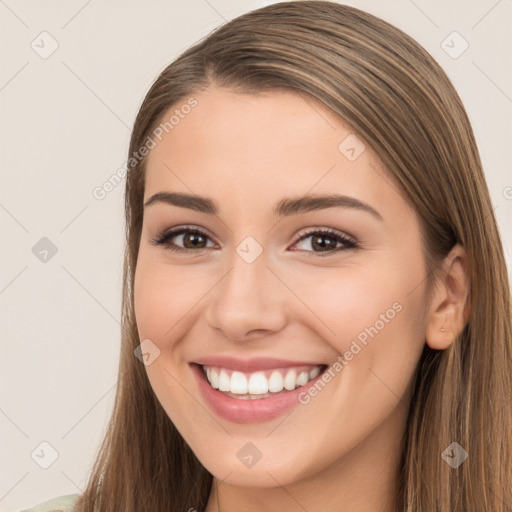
(65, 129)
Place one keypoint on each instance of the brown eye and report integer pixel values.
(325, 241)
(192, 239)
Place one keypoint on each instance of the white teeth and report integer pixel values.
(302, 378)
(275, 383)
(238, 383)
(224, 381)
(290, 380)
(314, 373)
(258, 385)
(213, 377)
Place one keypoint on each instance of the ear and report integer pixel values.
(449, 310)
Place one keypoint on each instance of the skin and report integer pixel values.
(246, 152)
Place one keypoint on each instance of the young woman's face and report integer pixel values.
(259, 297)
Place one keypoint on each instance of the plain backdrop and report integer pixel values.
(65, 125)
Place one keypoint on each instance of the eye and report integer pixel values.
(326, 240)
(194, 239)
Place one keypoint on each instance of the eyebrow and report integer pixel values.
(284, 208)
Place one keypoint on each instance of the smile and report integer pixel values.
(253, 390)
(260, 384)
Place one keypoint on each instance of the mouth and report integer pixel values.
(260, 384)
(253, 390)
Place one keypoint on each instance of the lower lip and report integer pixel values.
(248, 411)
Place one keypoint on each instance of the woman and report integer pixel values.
(316, 303)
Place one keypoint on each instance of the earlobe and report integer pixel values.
(449, 310)
(440, 338)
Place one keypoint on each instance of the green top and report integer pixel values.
(61, 504)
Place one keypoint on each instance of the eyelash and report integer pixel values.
(163, 239)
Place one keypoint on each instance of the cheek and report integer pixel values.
(372, 316)
(162, 296)
(383, 328)
(348, 302)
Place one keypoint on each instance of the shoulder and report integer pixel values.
(60, 504)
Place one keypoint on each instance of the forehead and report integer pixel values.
(247, 149)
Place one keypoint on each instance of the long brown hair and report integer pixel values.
(400, 102)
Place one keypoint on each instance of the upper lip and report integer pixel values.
(251, 365)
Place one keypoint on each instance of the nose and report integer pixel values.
(249, 302)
